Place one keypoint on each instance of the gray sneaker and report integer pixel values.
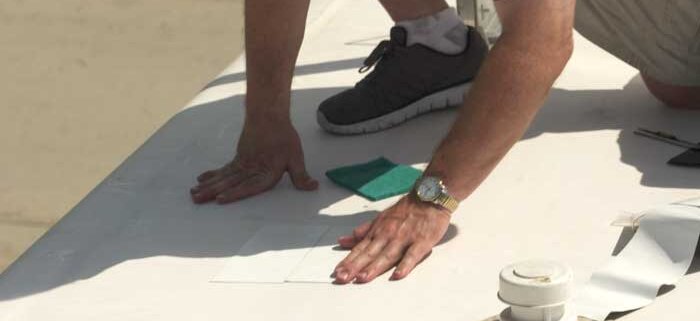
(406, 81)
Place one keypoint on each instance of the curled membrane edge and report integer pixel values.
(665, 241)
(660, 253)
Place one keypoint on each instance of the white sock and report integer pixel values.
(443, 31)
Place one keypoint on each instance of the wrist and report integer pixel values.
(454, 173)
(266, 126)
(267, 116)
(263, 108)
(449, 181)
(432, 191)
(411, 200)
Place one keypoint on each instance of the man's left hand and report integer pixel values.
(402, 236)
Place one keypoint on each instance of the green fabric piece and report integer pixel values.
(376, 180)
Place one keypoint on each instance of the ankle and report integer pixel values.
(443, 31)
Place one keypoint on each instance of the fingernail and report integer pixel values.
(363, 276)
(342, 275)
(194, 190)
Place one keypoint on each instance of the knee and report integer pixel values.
(682, 97)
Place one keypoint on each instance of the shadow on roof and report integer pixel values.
(143, 209)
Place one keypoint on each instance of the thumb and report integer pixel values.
(300, 177)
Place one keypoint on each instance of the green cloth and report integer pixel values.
(376, 180)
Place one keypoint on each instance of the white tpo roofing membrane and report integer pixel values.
(136, 248)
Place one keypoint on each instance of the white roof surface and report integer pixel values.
(136, 248)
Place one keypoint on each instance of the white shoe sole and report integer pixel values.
(449, 97)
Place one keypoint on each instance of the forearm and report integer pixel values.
(512, 85)
(273, 35)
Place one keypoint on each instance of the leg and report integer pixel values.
(401, 10)
(429, 22)
(659, 38)
(685, 97)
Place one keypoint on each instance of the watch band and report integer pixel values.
(448, 202)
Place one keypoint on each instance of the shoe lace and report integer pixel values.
(376, 61)
(383, 50)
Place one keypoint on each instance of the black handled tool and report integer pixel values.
(666, 138)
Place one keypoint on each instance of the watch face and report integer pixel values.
(429, 189)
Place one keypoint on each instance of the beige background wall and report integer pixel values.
(83, 84)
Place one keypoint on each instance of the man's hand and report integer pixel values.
(269, 145)
(402, 236)
(265, 152)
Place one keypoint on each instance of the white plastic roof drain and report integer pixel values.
(536, 290)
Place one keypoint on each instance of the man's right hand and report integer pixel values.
(269, 145)
(266, 150)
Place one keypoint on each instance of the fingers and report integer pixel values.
(372, 258)
(415, 254)
(357, 262)
(212, 181)
(222, 184)
(215, 186)
(300, 177)
(207, 175)
(252, 185)
(341, 272)
(209, 178)
(358, 234)
(216, 173)
(401, 236)
(387, 259)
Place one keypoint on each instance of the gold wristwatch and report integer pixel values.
(431, 189)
